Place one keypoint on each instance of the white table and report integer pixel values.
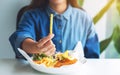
(91, 67)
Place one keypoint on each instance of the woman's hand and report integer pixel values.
(44, 45)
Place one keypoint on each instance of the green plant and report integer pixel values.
(115, 37)
(118, 6)
(81, 2)
(102, 11)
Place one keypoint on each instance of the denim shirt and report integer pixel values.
(70, 27)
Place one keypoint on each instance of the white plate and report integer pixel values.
(61, 70)
(78, 53)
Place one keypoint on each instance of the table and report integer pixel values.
(91, 67)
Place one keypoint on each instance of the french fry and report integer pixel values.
(51, 23)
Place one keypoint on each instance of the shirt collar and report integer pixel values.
(66, 14)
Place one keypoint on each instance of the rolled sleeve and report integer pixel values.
(25, 30)
(92, 48)
(16, 42)
(20, 38)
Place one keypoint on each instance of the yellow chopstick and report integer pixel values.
(51, 23)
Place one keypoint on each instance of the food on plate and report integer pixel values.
(65, 62)
(56, 61)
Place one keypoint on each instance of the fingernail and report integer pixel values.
(52, 35)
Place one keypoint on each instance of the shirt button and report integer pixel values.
(59, 26)
(60, 41)
(59, 16)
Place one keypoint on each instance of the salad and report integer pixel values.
(56, 61)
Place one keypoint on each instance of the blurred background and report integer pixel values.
(105, 14)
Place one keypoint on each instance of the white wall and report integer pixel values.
(93, 7)
(8, 13)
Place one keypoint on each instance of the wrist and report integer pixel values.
(30, 46)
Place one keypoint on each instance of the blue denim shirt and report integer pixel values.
(70, 27)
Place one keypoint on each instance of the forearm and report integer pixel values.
(29, 46)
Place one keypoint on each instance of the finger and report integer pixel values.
(53, 51)
(50, 48)
(46, 47)
(49, 43)
(44, 40)
(50, 52)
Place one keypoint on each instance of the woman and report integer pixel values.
(71, 24)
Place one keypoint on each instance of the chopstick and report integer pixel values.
(51, 23)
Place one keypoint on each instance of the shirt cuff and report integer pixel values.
(20, 39)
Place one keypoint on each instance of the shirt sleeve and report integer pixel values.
(92, 48)
(25, 30)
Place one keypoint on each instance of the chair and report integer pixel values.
(19, 15)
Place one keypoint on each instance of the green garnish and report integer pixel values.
(39, 56)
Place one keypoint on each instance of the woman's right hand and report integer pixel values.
(44, 45)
